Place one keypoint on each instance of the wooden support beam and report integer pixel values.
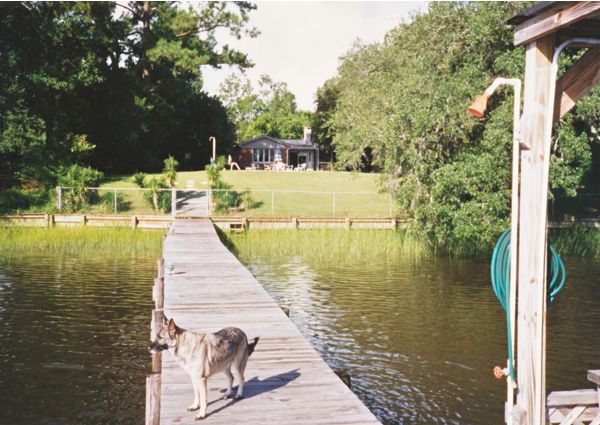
(576, 82)
(161, 265)
(158, 292)
(158, 316)
(554, 19)
(153, 399)
(531, 286)
(572, 398)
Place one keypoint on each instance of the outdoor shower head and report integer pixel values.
(477, 108)
(479, 105)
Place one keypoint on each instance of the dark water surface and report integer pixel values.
(72, 334)
(419, 338)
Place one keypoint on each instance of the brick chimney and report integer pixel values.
(307, 135)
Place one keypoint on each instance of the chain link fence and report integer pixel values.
(225, 202)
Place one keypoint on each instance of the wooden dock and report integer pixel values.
(206, 288)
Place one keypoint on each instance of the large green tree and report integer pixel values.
(114, 85)
(327, 97)
(50, 57)
(164, 49)
(269, 109)
(402, 107)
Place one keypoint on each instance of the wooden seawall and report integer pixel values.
(206, 288)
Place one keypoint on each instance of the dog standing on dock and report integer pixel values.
(203, 355)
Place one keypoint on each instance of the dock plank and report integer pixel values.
(206, 289)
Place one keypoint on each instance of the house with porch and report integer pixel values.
(266, 152)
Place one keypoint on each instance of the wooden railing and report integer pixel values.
(578, 407)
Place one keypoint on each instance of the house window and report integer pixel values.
(263, 155)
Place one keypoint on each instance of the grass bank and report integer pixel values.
(341, 246)
(14, 240)
(325, 181)
(273, 193)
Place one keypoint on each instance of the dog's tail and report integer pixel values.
(251, 345)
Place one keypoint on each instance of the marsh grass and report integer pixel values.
(80, 240)
(577, 242)
(327, 246)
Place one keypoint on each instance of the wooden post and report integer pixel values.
(161, 266)
(209, 206)
(84, 220)
(134, 221)
(158, 292)
(153, 399)
(214, 149)
(59, 198)
(531, 309)
(157, 320)
(333, 204)
(173, 202)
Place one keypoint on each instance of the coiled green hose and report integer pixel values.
(500, 272)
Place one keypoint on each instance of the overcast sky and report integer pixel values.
(301, 42)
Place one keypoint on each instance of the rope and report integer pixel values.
(500, 271)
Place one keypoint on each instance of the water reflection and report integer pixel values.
(73, 330)
(420, 339)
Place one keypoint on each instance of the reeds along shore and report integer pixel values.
(81, 240)
(346, 246)
(579, 242)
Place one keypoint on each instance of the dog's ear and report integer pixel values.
(172, 328)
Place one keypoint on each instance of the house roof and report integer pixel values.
(288, 143)
(297, 143)
(531, 12)
(567, 19)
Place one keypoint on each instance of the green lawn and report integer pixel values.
(276, 193)
(326, 181)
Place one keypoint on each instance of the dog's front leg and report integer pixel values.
(196, 404)
(202, 383)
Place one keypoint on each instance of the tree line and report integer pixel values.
(400, 106)
(114, 86)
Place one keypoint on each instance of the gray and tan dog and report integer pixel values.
(203, 355)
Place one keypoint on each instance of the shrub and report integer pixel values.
(170, 171)
(13, 199)
(138, 179)
(223, 197)
(77, 179)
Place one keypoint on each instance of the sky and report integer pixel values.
(301, 42)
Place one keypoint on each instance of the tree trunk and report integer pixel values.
(145, 16)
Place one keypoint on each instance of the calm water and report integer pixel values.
(418, 338)
(73, 331)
